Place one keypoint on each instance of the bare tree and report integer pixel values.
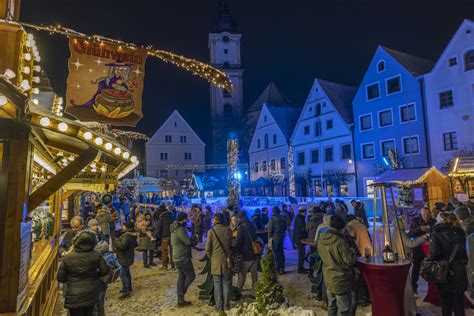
(336, 177)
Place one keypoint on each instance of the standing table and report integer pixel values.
(386, 284)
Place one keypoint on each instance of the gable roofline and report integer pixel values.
(451, 42)
(415, 65)
(176, 112)
(284, 120)
(340, 96)
(272, 96)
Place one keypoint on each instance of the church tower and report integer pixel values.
(227, 109)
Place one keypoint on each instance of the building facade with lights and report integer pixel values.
(174, 143)
(268, 152)
(389, 114)
(449, 90)
(322, 142)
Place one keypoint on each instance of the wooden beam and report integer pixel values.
(63, 177)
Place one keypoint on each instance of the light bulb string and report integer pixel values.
(198, 68)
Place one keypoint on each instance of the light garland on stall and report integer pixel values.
(197, 68)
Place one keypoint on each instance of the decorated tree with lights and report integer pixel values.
(233, 175)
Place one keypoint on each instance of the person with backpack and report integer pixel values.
(218, 244)
(182, 255)
(448, 241)
(124, 245)
(102, 247)
(246, 236)
(276, 236)
(81, 270)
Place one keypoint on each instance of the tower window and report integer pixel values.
(226, 51)
(226, 39)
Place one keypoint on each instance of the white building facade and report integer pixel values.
(268, 152)
(322, 142)
(174, 143)
(449, 90)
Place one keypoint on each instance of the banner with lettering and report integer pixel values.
(105, 82)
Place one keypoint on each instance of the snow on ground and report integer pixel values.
(154, 293)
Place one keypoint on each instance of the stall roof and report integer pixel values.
(149, 188)
(463, 166)
(406, 176)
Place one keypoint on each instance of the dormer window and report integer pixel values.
(381, 66)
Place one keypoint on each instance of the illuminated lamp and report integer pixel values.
(108, 146)
(26, 70)
(62, 127)
(99, 141)
(117, 151)
(87, 135)
(9, 74)
(44, 121)
(25, 85)
(133, 159)
(27, 56)
(126, 155)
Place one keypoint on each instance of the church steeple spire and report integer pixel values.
(224, 21)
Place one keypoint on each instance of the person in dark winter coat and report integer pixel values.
(77, 224)
(124, 245)
(182, 244)
(199, 224)
(208, 214)
(359, 211)
(314, 220)
(276, 236)
(246, 234)
(81, 270)
(444, 237)
(420, 226)
(163, 231)
(467, 220)
(102, 247)
(300, 234)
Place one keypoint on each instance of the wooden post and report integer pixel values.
(14, 186)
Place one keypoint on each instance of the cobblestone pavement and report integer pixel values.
(155, 293)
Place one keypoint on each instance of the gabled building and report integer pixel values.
(322, 142)
(174, 143)
(269, 149)
(389, 114)
(449, 90)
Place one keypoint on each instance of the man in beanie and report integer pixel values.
(246, 234)
(182, 246)
(338, 267)
(124, 244)
(218, 243)
(300, 234)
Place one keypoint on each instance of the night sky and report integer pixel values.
(288, 42)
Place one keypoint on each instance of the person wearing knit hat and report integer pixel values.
(337, 222)
(241, 214)
(181, 217)
(218, 218)
(93, 225)
(466, 219)
(300, 234)
(125, 245)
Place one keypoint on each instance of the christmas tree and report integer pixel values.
(207, 288)
(269, 292)
(317, 281)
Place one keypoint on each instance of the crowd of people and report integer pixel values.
(94, 253)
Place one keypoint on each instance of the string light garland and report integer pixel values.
(233, 175)
(197, 68)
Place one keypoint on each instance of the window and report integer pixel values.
(168, 139)
(274, 138)
(450, 141)
(163, 156)
(407, 113)
(163, 173)
(394, 85)
(381, 66)
(329, 189)
(452, 62)
(175, 124)
(346, 151)
(385, 118)
(314, 156)
(344, 189)
(264, 166)
(329, 154)
(225, 39)
(410, 145)
(329, 124)
(273, 165)
(226, 94)
(387, 145)
(182, 139)
(228, 112)
(282, 163)
(310, 109)
(318, 188)
(318, 109)
(266, 141)
(256, 167)
(265, 118)
(258, 143)
(300, 158)
(317, 129)
(469, 60)
(188, 156)
(365, 122)
(306, 130)
(226, 51)
(446, 99)
(368, 151)
(188, 172)
(226, 65)
(373, 91)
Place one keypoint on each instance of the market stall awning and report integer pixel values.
(462, 166)
(406, 176)
(149, 188)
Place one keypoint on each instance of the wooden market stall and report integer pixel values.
(43, 158)
(416, 187)
(462, 177)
